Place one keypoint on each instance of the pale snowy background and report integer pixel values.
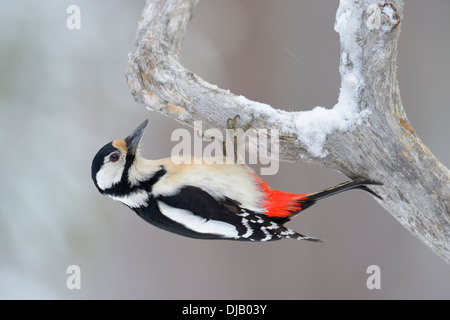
(63, 95)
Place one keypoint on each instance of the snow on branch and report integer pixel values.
(312, 127)
(365, 135)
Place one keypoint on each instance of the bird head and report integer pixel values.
(112, 162)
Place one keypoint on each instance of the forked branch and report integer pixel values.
(366, 134)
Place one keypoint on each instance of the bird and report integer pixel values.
(202, 200)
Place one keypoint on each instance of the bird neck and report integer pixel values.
(142, 169)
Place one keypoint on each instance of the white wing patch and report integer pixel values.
(135, 199)
(196, 223)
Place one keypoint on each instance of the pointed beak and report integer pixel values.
(134, 138)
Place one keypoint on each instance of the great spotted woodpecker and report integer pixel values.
(205, 201)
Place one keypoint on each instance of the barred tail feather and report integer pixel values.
(298, 236)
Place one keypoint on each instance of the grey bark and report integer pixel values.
(382, 146)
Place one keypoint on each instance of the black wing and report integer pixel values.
(195, 213)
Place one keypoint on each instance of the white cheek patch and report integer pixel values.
(137, 199)
(196, 223)
(108, 176)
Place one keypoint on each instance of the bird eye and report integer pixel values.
(114, 157)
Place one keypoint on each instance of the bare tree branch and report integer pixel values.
(366, 134)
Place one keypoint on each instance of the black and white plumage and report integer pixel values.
(204, 201)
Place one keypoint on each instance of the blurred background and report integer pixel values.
(63, 95)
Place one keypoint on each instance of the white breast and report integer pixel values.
(136, 199)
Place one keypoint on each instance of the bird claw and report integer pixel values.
(232, 122)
